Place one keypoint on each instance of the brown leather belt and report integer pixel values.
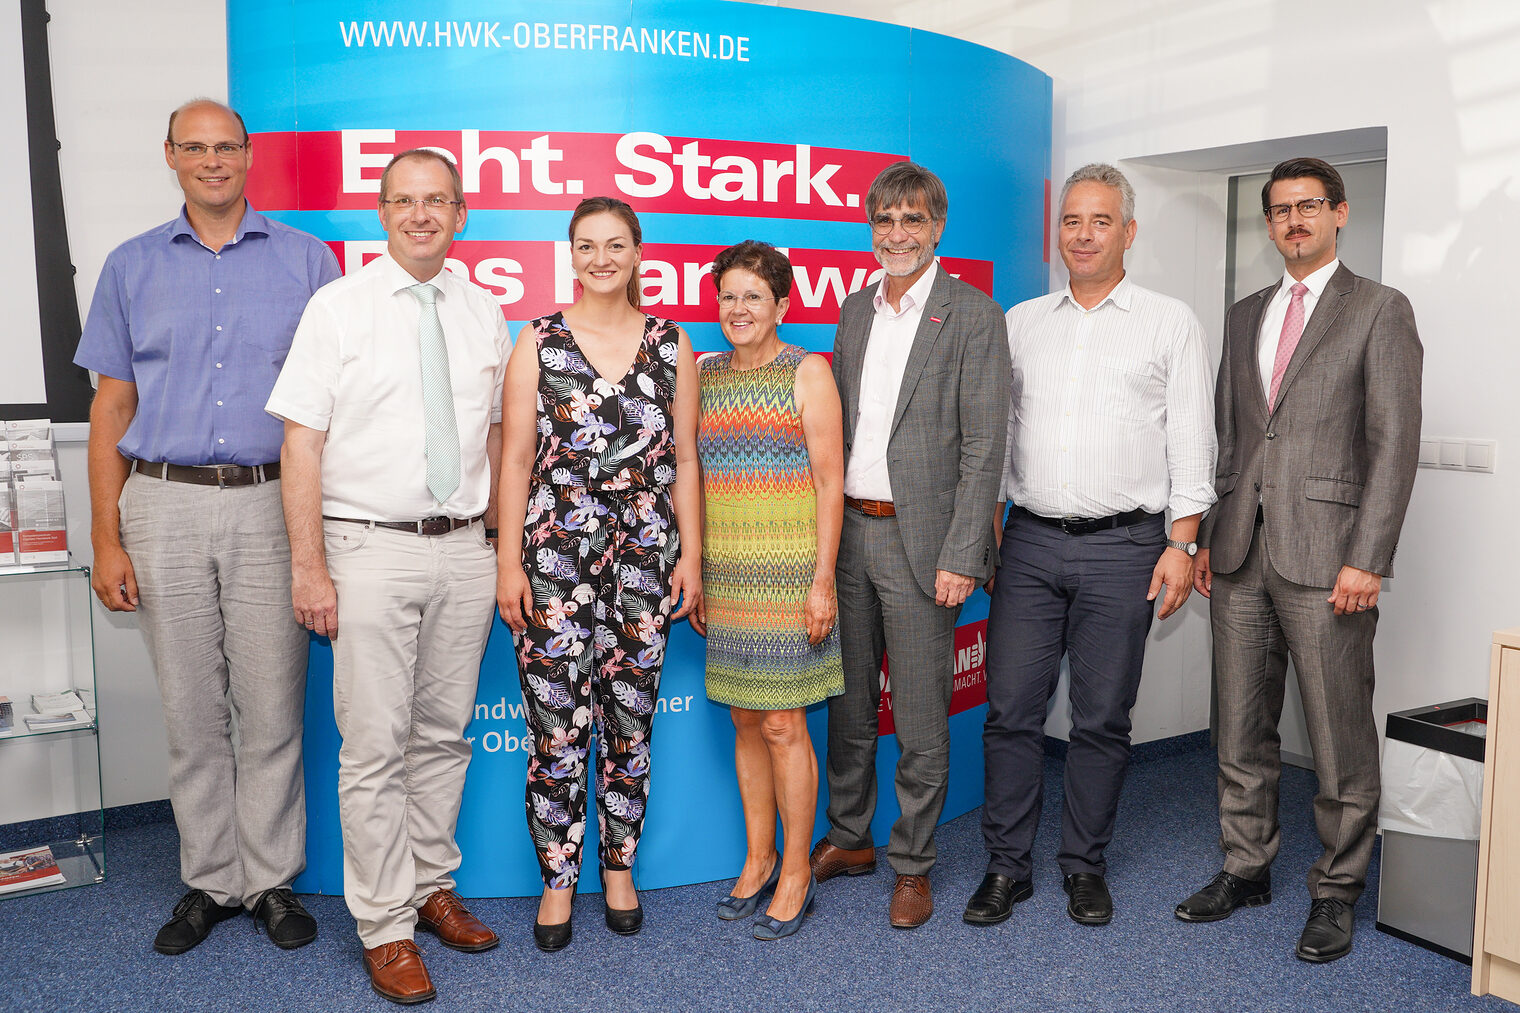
(871, 507)
(426, 526)
(222, 476)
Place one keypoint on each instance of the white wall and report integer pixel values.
(1139, 78)
(1133, 79)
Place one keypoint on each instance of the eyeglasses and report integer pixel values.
(751, 300)
(195, 149)
(1307, 208)
(912, 224)
(431, 203)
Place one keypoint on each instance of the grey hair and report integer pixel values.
(1100, 172)
(906, 183)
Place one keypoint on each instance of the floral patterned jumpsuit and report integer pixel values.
(599, 544)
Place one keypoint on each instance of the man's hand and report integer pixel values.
(1174, 570)
(315, 600)
(1203, 576)
(114, 580)
(1355, 591)
(951, 589)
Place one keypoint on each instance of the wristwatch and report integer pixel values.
(1191, 548)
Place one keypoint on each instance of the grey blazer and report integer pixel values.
(950, 430)
(1334, 464)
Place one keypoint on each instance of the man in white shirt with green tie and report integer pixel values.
(391, 399)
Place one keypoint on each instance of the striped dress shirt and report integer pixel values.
(1112, 407)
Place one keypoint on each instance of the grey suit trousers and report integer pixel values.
(883, 608)
(213, 576)
(1260, 619)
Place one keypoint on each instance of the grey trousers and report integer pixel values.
(1259, 621)
(1081, 597)
(213, 577)
(883, 608)
(414, 612)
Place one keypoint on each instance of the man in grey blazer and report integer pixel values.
(1318, 412)
(921, 361)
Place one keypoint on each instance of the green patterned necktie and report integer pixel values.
(440, 430)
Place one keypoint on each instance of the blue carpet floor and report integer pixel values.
(89, 949)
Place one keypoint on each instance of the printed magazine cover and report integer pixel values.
(28, 869)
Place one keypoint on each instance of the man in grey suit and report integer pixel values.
(921, 361)
(1318, 412)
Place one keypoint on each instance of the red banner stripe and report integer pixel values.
(513, 169)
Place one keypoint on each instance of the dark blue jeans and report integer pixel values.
(1081, 597)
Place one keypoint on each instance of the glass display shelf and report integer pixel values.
(81, 860)
(51, 795)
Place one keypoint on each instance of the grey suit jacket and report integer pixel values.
(949, 432)
(1334, 464)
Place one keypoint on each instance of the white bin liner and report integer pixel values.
(1431, 793)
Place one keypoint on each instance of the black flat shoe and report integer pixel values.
(994, 900)
(194, 917)
(625, 922)
(1222, 896)
(1090, 902)
(553, 938)
(1327, 935)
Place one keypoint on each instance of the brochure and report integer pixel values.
(28, 869)
(57, 703)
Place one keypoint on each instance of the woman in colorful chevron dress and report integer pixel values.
(771, 444)
(599, 471)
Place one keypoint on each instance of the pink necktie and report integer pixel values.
(1292, 330)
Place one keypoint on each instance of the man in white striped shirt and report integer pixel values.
(1111, 427)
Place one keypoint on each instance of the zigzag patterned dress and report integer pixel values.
(760, 540)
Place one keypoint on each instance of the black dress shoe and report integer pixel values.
(195, 916)
(284, 919)
(1090, 902)
(1327, 935)
(994, 900)
(623, 921)
(1223, 895)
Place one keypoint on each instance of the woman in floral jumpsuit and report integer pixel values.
(599, 459)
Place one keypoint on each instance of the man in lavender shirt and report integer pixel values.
(190, 324)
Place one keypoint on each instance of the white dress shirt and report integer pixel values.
(355, 372)
(1277, 309)
(881, 377)
(1112, 407)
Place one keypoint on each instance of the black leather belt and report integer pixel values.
(1087, 525)
(426, 526)
(221, 475)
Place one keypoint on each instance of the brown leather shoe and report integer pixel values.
(912, 902)
(396, 972)
(828, 861)
(445, 915)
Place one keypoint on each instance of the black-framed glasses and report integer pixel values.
(431, 203)
(195, 149)
(912, 223)
(1307, 208)
(751, 300)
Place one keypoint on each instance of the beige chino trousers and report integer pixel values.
(414, 612)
